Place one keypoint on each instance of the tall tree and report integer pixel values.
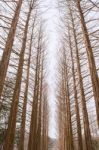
(23, 120)
(8, 46)
(91, 59)
(83, 100)
(9, 141)
(66, 105)
(36, 95)
(80, 142)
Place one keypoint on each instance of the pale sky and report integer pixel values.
(51, 15)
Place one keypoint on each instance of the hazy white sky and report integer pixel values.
(51, 15)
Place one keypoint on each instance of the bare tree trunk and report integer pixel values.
(80, 143)
(45, 123)
(40, 106)
(22, 132)
(68, 117)
(83, 100)
(8, 47)
(69, 134)
(92, 66)
(37, 136)
(61, 118)
(9, 141)
(33, 123)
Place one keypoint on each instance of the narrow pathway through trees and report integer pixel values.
(49, 75)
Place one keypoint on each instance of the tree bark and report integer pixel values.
(80, 143)
(8, 47)
(87, 133)
(69, 134)
(91, 60)
(9, 140)
(22, 131)
(33, 123)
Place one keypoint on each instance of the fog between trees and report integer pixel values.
(25, 95)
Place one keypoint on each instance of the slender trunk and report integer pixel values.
(9, 141)
(40, 108)
(33, 123)
(45, 123)
(36, 108)
(8, 47)
(80, 143)
(69, 129)
(87, 133)
(69, 136)
(22, 132)
(91, 60)
(62, 111)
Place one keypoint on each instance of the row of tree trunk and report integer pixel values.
(29, 93)
(74, 122)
